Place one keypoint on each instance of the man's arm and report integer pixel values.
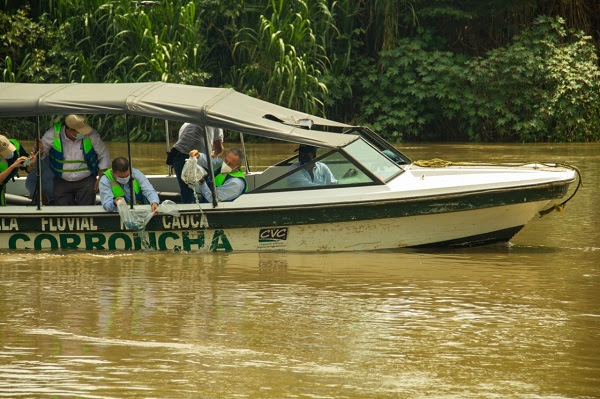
(230, 190)
(46, 142)
(147, 189)
(300, 178)
(219, 137)
(5, 173)
(102, 154)
(217, 147)
(328, 177)
(107, 199)
(101, 151)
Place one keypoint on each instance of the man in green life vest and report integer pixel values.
(12, 158)
(115, 185)
(230, 181)
(78, 158)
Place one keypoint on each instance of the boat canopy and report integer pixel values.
(206, 106)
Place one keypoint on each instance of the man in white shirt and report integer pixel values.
(311, 173)
(78, 158)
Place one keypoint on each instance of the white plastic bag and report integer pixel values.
(168, 207)
(138, 219)
(191, 175)
(192, 172)
(133, 220)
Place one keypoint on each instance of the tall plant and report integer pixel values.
(282, 60)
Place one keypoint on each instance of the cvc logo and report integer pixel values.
(273, 234)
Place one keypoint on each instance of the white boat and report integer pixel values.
(384, 202)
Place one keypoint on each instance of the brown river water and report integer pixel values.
(503, 321)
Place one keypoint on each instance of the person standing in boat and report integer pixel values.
(230, 180)
(191, 137)
(78, 157)
(47, 183)
(114, 185)
(12, 158)
(312, 173)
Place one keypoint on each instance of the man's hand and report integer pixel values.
(194, 153)
(217, 148)
(18, 162)
(154, 207)
(38, 146)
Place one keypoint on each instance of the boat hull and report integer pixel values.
(184, 233)
(460, 219)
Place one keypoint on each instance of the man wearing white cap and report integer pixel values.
(12, 157)
(78, 158)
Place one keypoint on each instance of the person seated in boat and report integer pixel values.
(114, 185)
(230, 180)
(312, 173)
(47, 183)
(12, 158)
(191, 137)
(78, 157)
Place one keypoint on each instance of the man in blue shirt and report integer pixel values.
(115, 184)
(230, 180)
(312, 173)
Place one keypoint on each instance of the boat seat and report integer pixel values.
(13, 199)
(269, 174)
(169, 195)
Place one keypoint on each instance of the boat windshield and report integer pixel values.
(360, 164)
(378, 164)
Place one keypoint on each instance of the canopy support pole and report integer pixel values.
(130, 162)
(170, 167)
(211, 171)
(38, 161)
(245, 153)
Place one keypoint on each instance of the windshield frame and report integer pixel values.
(375, 179)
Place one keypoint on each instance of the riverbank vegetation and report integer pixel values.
(521, 71)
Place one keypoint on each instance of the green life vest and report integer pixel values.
(3, 166)
(57, 159)
(222, 178)
(117, 190)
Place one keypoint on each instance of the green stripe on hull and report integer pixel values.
(289, 216)
(341, 212)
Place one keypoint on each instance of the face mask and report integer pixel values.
(80, 136)
(225, 168)
(122, 180)
(12, 154)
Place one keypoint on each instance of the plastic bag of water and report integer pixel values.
(192, 172)
(137, 219)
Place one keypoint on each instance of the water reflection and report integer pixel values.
(366, 324)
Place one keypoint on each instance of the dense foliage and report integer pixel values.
(413, 70)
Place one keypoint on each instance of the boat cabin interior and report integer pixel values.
(365, 161)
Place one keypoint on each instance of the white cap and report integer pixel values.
(6, 147)
(78, 123)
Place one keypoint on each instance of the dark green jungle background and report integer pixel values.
(477, 70)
